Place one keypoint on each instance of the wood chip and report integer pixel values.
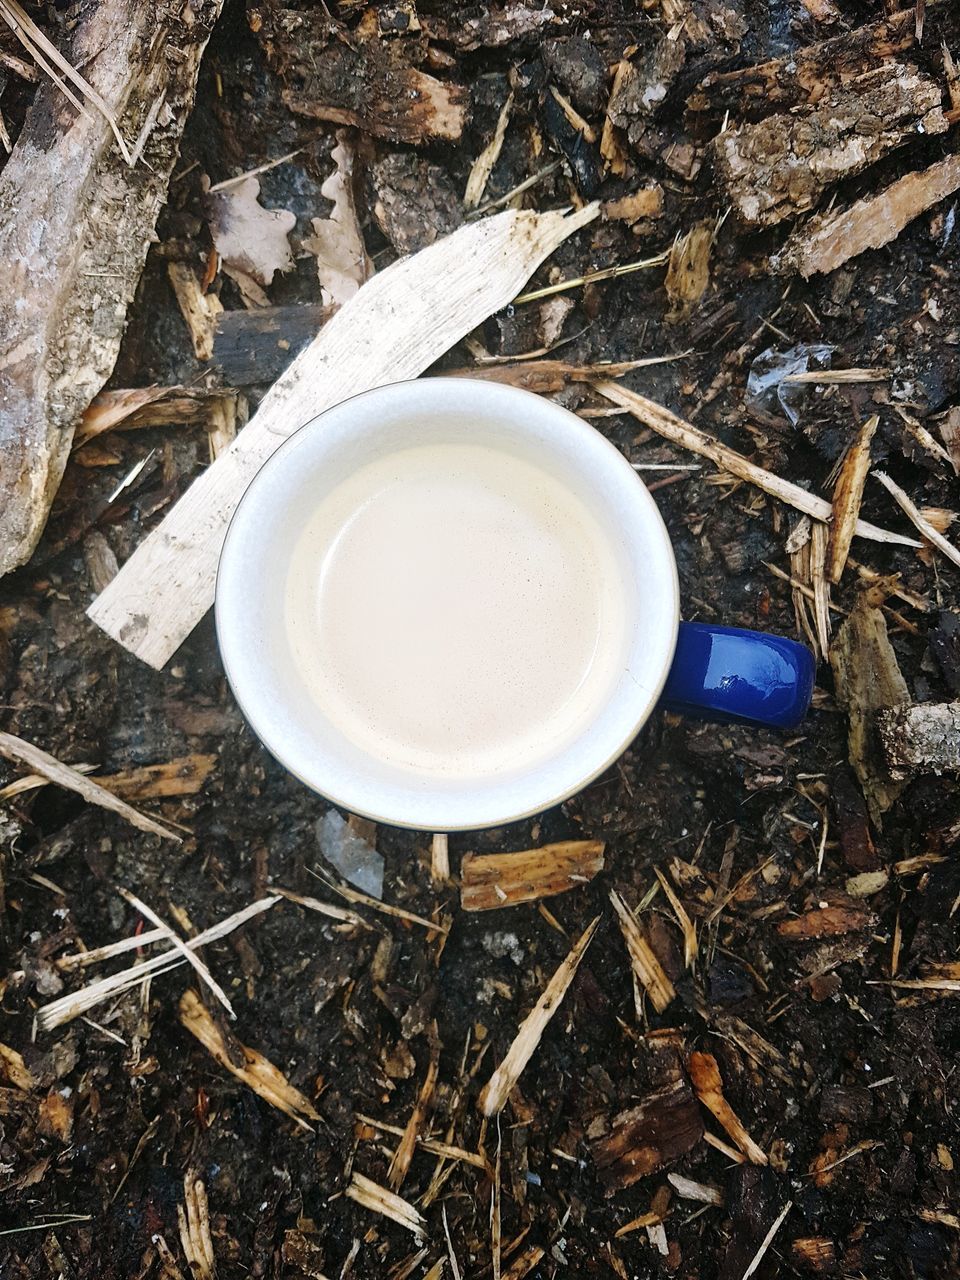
(494, 1095)
(688, 270)
(491, 881)
(14, 1071)
(482, 167)
(867, 678)
(440, 859)
(826, 922)
(249, 1066)
(705, 1075)
(691, 1190)
(659, 1131)
(201, 311)
(917, 519)
(829, 240)
(645, 203)
(819, 537)
(689, 437)
(921, 739)
(398, 324)
(847, 496)
(379, 1200)
(523, 1263)
(51, 768)
(645, 964)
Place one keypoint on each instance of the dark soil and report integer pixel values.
(855, 1071)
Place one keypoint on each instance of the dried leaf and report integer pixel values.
(247, 236)
(337, 242)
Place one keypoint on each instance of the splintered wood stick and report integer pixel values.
(767, 1240)
(917, 518)
(646, 966)
(249, 1066)
(394, 327)
(66, 1008)
(847, 496)
(686, 924)
(705, 1076)
(682, 433)
(497, 1089)
(490, 881)
(50, 767)
(378, 1199)
(400, 1164)
(433, 1145)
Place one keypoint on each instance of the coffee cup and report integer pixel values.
(448, 603)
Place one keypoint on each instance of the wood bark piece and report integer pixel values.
(494, 1095)
(829, 240)
(867, 678)
(779, 167)
(689, 437)
(705, 1075)
(804, 75)
(365, 82)
(252, 348)
(249, 1066)
(664, 1127)
(491, 881)
(66, 292)
(395, 327)
(921, 739)
(826, 922)
(49, 766)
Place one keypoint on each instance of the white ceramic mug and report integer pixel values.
(308, 725)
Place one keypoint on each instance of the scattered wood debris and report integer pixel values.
(646, 966)
(136, 407)
(379, 1200)
(68, 291)
(689, 437)
(491, 881)
(829, 240)
(780, 166)
(847, 496)
(646, 202)
(826, 922)
(160, 595)
(705, 1075)
(249, 1066)
(495, 1092)
(50, 767)
(921, 739)
(867, 678)
(816, 1253)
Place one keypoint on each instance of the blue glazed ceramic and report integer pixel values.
(725, 673)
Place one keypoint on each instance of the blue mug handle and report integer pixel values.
(726, 673)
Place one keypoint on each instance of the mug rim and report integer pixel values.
(267, 733)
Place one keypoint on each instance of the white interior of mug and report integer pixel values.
(258, 558)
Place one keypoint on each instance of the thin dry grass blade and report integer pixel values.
(912, 514)
(191, 959)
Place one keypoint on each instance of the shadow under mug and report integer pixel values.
(714, 672)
